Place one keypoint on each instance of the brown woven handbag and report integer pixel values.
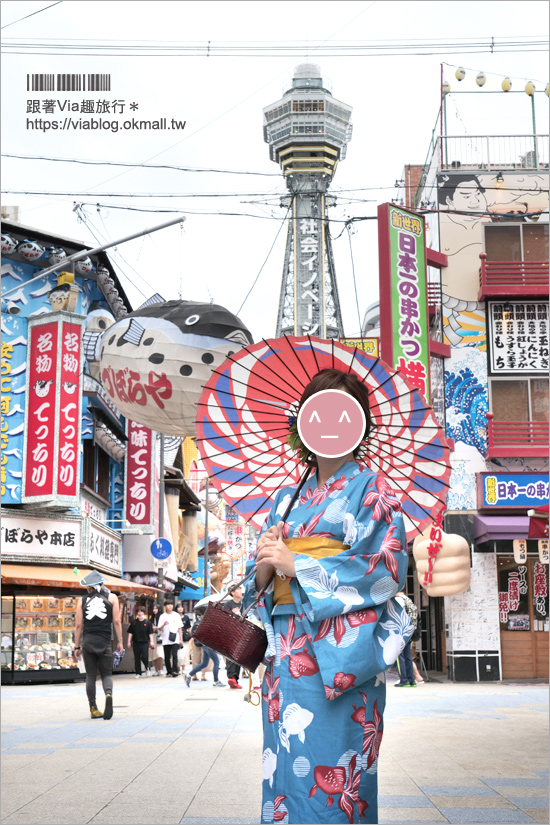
(233, 636)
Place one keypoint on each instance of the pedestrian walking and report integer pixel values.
(157, 654)
(235, 604)
(207, 655)
(171, 626)
(332, 622)
(405, 661)
(97, 612)
(186, 636)
(141, 637)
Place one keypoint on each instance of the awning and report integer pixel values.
(493, 528)
(42, 576)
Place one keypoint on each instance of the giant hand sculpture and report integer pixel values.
(442, 561)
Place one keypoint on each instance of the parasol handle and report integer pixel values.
(303, 479)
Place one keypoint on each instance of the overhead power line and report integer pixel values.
(211, 49)
(32, 14)
(143, 165)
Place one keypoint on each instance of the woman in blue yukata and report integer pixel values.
(330, 573)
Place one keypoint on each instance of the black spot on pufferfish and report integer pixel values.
(186, 370)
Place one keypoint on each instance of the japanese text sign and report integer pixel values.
(139, 510)
(512, 490)
(518, 337)
(104, 548)
(13, 366)
(404, 323)
(40, 538)
(53, 412)
(235, 543)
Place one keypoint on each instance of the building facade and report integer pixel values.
(485, 202)
(79, 483)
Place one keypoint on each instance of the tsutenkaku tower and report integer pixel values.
(308, 132)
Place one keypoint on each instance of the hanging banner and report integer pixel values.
(544, 545)
(404, 321)
(51, 452)
(68, 452)
(13, 369)
(520, 551)
(139, 476)
(235, 540)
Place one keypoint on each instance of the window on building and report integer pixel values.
(516, 242)
(95, 469)
(519, 400)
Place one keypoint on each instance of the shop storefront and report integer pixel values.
(524, 616)
(521, 568)
(44, 556)
(39, 618)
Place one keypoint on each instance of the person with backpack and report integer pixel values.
(405, 661)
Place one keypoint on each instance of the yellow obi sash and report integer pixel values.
(317, 547)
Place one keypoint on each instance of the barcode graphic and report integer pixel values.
(68, 82)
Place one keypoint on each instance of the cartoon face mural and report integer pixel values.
(154, 362)
(331, 423)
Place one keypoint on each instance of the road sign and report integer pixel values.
(161, 548)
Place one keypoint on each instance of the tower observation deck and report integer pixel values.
(308, 131)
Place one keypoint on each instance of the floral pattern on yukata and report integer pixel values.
(324, 688)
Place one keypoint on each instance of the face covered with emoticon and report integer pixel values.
(331, 423)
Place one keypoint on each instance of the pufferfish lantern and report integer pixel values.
(442, 561)
(154, 362)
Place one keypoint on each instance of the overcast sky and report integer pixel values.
(395, 100)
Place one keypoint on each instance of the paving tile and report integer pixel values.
(453, 790)
(495, 801)
(409, 815)
(538, 815)
(216, 821)
(529, 801)
(485, 816)
(398, 801)
(509, 782)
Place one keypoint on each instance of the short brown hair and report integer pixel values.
(333, 379)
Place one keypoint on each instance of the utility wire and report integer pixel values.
(32, 15)
(143, 165)
(264, 263)
(348, 227)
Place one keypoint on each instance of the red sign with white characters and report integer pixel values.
(139, 475)
(40, 420)
(53, 410)
(69, 410)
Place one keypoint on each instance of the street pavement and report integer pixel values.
(458, 753)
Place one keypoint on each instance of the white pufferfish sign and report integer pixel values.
(154, 362)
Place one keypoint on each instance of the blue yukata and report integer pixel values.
(332, 632)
